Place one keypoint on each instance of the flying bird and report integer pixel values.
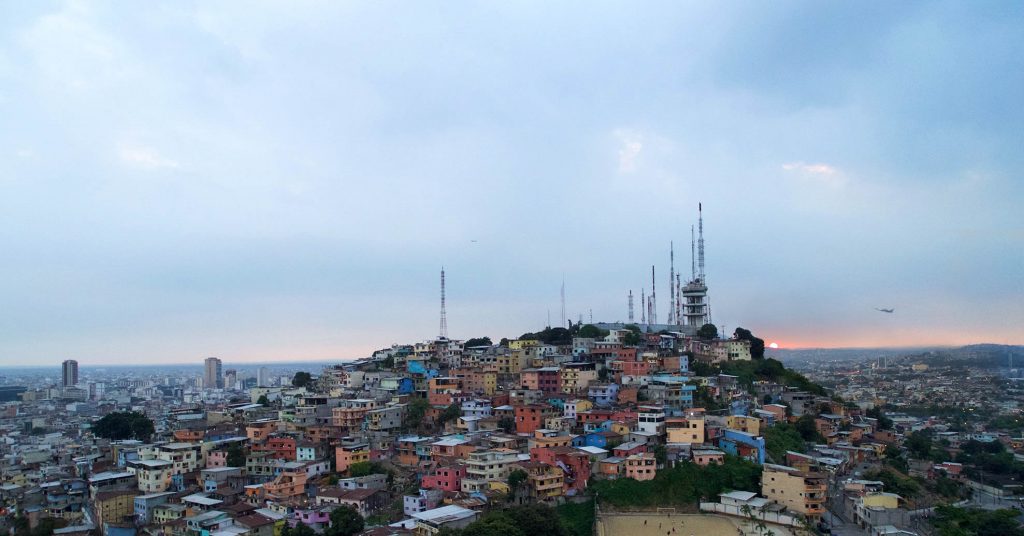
(885, 310)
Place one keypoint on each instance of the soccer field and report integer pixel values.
(678, 525)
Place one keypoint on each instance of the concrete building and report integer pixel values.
(803, 492)
(69, 373)
(213, 377)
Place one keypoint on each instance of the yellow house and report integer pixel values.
(881, 500)
(743, 423)
(115, 506)
(799, 491)
(523, 344)
(620, 428)
(685, 431)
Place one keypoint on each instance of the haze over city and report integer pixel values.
(204, 179)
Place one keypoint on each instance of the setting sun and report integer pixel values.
(773, 345)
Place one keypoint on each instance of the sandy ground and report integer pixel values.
(684, 525)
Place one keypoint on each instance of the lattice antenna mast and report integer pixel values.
(643, 304)
(693, 256)
(700, 241)
(654, 299)
(679, 301)
(444, 314)
(671, 283)
(630, 306)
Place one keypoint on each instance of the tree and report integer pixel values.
(367, 468)
(124, 425)
(236, 455)
(807, 428)
(450, 413)
(708, 332)
(504, 342)
(301, 379)
(414, 413)
(478, 341)
(591, 331)
(516, 479)
(507, 425)
(300, 529)
(263, 400)
(756, 344)
(345, 521)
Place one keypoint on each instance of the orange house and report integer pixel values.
(290, 483)
(531, 417)
(347, 455)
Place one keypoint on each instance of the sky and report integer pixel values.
(284, 180)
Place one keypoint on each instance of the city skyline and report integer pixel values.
(286, 183)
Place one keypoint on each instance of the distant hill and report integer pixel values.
(984, 355)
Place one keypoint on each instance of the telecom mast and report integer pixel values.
(630, 306)
(671, 283)
(444, 315)
(654, 300)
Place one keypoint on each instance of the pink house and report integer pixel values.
(447, 478)
(217, 458)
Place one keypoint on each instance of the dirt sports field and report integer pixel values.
(684, 525)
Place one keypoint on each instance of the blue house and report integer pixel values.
(743, 445)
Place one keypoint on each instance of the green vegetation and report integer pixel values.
(367, 468)
(516, 479)
(300, 529)
(884, 423)
(451, 413)
(905, 487)
(591, 331)
(770, 370)
(345, 521)
(236, 455)
(263, 400)
(301, 379)
(578, 518)
(529, 520)
(633, 338)
(686, 483)
(415, 410)
(708, 332)
(549, 335)
(124, 425)
(954, 521)
(478, 341)
(780, 438)
(507, 425)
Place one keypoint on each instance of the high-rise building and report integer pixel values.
(230, 377)
(70, 372)
(263, 377)
(212, 376)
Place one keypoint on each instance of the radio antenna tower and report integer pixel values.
(643, 304)
(700, 241)
(693, 257)
(630, 306)
(671, 283)
(679, 301)
(444, 315)
(654, 299)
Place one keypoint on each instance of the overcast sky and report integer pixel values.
(285, 180)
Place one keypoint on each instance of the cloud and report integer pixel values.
(630, 147)
(811, 169)
(145, 157)
(819, 172)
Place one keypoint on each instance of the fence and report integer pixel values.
(767, 517)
